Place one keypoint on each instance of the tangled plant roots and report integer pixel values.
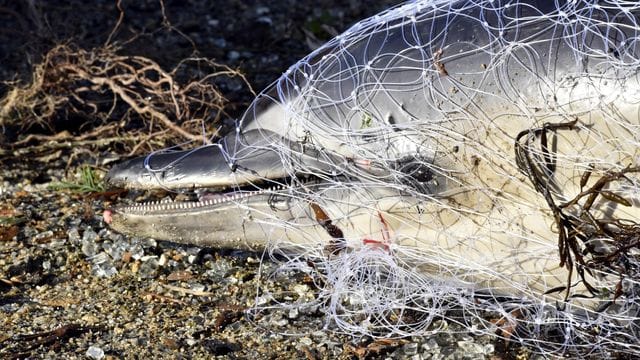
(78, 89)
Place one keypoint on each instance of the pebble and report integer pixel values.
(233, 55)
(95, 352)
(73, 235)
(148, 268)
(410, 348)
(293, 313)
(89, 235)
(261, 10)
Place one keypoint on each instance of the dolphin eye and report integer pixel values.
(417, 173)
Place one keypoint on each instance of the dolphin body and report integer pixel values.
(494, 144)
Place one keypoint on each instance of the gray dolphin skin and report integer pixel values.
(493, 144)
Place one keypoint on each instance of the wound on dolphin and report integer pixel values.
(442, 157)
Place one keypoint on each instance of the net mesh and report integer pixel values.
(472, 160)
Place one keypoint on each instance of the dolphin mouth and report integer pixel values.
(218, 217)
(215, 197)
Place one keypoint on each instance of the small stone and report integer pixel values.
(89, 235)
(115, 237)
(9, 308)
(319, 335)
(470, 348)
(261, 10)
(281, 322)
(102, 265)
(310, 309)
(95, 352)
(147, 242)
(73, 235)
(149, 268)
(115, 250)
(170, 343)
(219, 42)
(163, 260)
(305, 341)
(89, 248)
(410, 349)
(293, 313)
(265, 20)
(264, 299)
(43, 236)
(197, 287)
(233, 55)
(191, 342)
(488, 349)
(89, 319)
(137, 251)
(430, 345)
(301, 289)
(278, 320)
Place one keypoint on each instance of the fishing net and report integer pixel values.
(475, 161)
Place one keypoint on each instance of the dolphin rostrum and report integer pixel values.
(494, 144)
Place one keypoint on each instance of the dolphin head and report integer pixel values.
(260, 177)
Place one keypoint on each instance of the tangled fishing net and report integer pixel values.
(475, 161)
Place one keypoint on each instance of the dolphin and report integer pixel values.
(492, 143)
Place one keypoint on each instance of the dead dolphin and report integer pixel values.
(494, 144)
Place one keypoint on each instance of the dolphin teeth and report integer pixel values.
(169, 204)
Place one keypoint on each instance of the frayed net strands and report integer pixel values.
(499, 122)
(469, 160)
